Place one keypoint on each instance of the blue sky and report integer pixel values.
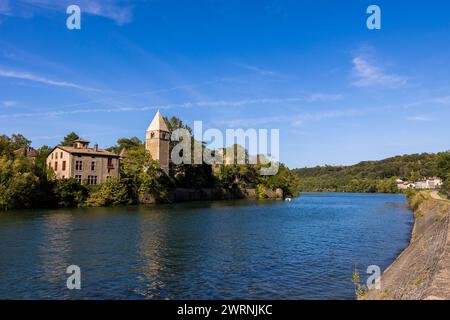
(338, 92)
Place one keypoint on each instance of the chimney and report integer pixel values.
(95, 147)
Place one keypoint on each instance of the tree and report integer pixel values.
(443, 164)
(19, 141)
(68, 193)
(110, 193)
(143, 176)
(69, 139)
(5, 145)
(127, 144)
(17, 183)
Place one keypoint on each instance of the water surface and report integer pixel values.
(304, 249)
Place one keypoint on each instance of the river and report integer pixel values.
(303, 249)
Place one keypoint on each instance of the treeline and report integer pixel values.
(376, 176)
(26, 182)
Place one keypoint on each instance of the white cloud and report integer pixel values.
(368, 74)
(442, 100)
(420, 118)
(8, 103)
(118, 11)
(32, 77)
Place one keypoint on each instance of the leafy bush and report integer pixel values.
(110, 193)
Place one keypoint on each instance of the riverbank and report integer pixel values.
(422, 270)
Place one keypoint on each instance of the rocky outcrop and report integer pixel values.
(422, 271)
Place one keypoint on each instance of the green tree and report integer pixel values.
(110, 193)
(69, 139)
(142, 176)
(68, 193)
(127, 144)
(443, 164)
(19, 141)
(17, 183)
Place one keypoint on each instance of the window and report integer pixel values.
(61, 155)
(56, 155)
(52, 156)
(78, 178)
(56, 165)
(93, 165)
(64, 166)
(92, 179)
(78, 165)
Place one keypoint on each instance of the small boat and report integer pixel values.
(288, 199)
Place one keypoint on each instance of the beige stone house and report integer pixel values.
(87, 165)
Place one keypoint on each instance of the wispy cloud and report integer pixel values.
(420, 118)
(294, 120)
(261, 71)
(369, 74)
(5, 7)
(8, 103)
(32, 77)
(118, 11)
(442, 100)
(214, 103)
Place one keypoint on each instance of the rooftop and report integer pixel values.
(88, 151)
(158, 123)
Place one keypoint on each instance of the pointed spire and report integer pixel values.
(158, 123)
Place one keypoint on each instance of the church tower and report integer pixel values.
(157, 140)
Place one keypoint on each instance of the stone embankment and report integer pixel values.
(422, 270)
(185, 195)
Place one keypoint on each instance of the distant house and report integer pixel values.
(26, 152)
(405, 185)
(428, 183)
(90, 165)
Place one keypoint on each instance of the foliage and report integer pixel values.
(284, 179)
(360, 289)
(111, 193)
(373, 176)
(142, 175)
(68, 193)
(19, 141)
(17, 182)
(261, 191)
(127, 144)
(69, 139)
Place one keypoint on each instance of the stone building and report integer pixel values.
(87, 165)
(157, 141)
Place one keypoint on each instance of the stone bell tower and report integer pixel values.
(157, 140)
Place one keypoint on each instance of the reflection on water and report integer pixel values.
(304, 249)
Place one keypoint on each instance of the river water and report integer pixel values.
(303, 249)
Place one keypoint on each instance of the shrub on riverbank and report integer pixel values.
(111, 193)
